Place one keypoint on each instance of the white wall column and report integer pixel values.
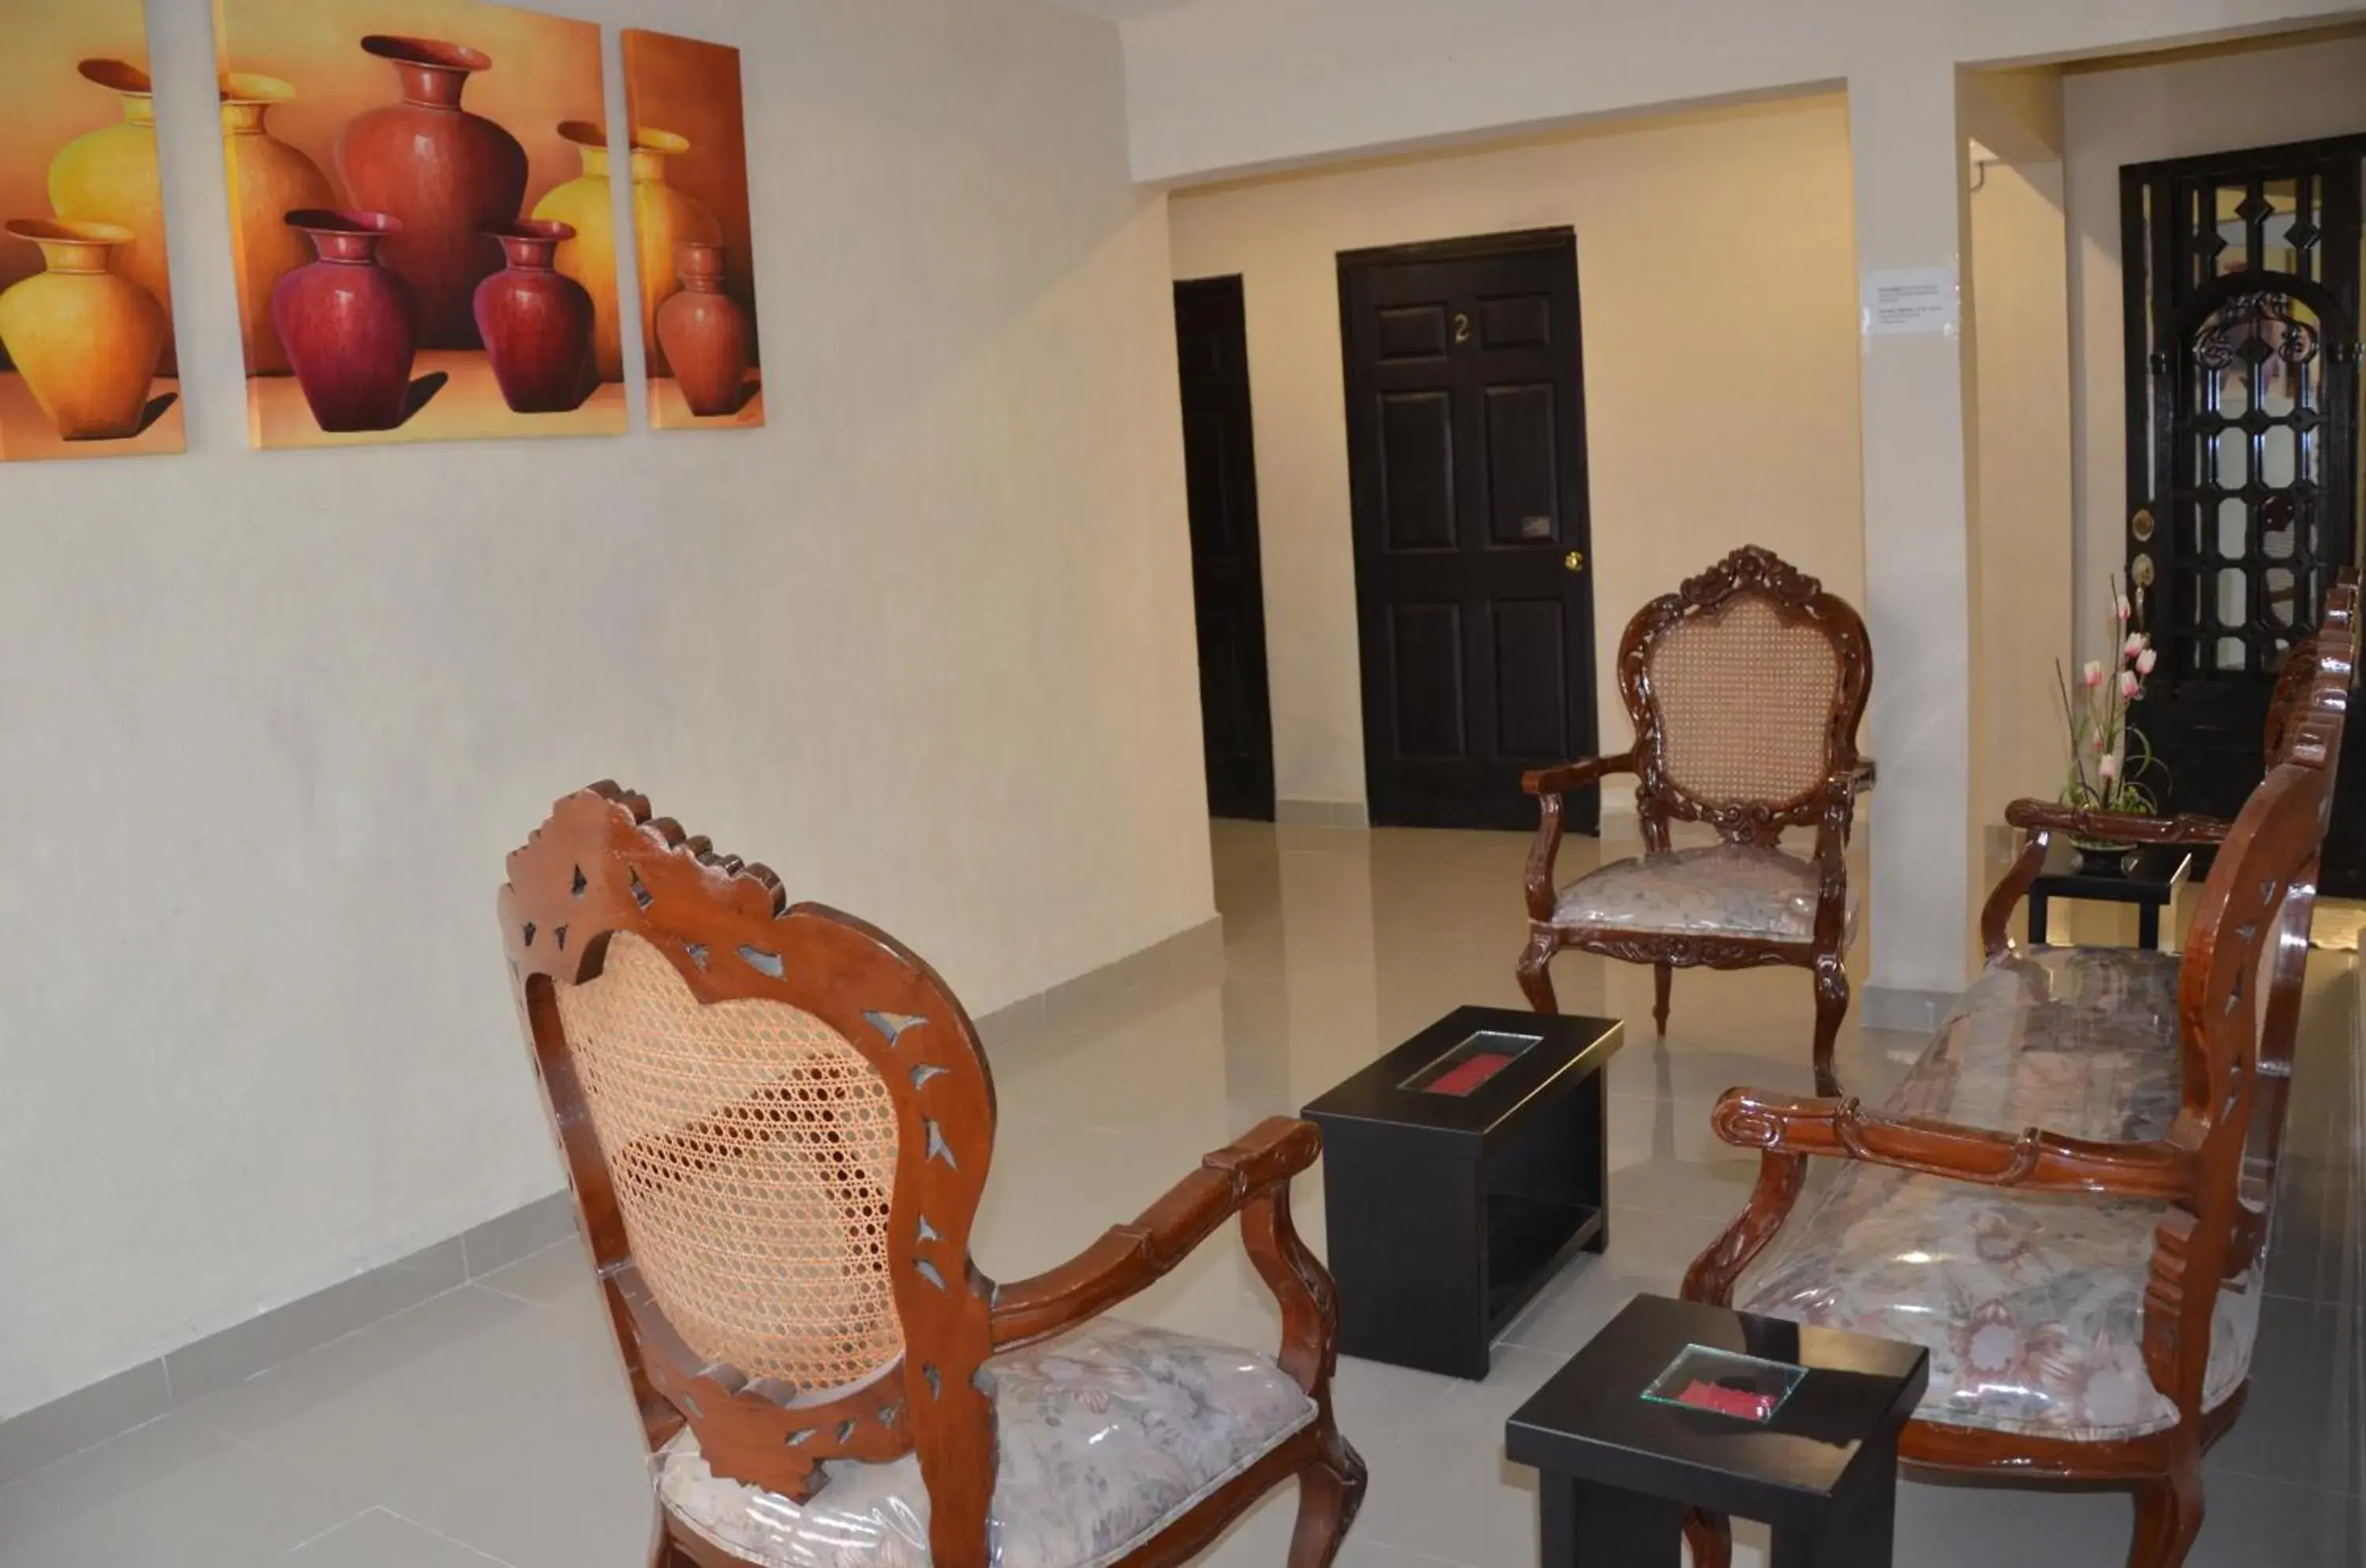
(1910, 166)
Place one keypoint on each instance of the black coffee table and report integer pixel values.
(1618, 1470)
(2153, 873)
(1459, 1172)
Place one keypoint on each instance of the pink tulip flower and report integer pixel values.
(2129, 683)
(2094, 673)
(2134, 646)
(2146, 660)
(2109, 767)
(2121, 605)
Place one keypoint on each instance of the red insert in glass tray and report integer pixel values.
(1729, 1401)
(1463, 1079)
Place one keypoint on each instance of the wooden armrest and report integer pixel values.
(2114, 827)
(1575, 775)
(1129, 1258)
(1865, 774)
(2038, 1161)
(1548, 785)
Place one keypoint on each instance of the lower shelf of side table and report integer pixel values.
(1528, 1241)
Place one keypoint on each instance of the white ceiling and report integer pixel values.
(1118, 10)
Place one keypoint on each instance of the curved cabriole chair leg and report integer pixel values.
(2168, 1516)
(1831, 1008)
(1535, 970)
(1711, 1537)
(1329, 1495)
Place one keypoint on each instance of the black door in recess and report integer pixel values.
(2242, 311)
(1466, 440)
(1228, 588)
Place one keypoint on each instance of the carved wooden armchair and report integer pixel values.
(778, 1122)
(1746, 688)
(2066, 1203)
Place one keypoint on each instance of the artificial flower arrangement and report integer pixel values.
(2108, 754)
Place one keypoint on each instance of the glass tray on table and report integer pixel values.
(1743, 1387)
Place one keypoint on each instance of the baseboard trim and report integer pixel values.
(1895, 1007)
(1189, 957)
(109, 1408)
(1321, 814)
(112, 1406)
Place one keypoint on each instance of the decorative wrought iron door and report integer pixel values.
(2243, 291)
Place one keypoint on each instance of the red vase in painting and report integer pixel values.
(349, 325)
(538, 323)
(451, 177)
(704, 333)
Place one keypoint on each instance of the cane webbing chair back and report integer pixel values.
(778, 1123)
(753, 1151)
(1746, 688)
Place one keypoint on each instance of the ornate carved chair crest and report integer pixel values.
(778, 1122)
(1746, 688)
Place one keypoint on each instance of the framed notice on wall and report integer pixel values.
(1910, 301)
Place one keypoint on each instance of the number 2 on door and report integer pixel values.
(1461, 328)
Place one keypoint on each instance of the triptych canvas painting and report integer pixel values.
(424, 234)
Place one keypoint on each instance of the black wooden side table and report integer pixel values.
(1459, 1172)
(2153, 873)
(1618, 1470)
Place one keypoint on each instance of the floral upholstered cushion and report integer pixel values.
(1720, 890)
(2030, 1304)
(1104, 1436)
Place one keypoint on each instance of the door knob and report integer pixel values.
(1574, 560)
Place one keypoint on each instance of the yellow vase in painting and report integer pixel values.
(109, 176)
(589, 258)
(662, 218)
(268, 179)
(86, 340)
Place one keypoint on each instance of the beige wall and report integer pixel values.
(2112, 117)
(1229, 85)
(1714, 266)
(272, 720)
(1223, 87)
(2020, 531)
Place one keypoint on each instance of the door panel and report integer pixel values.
(1522, 477)
(1227, 579)
(2242, 309)
(1417, 469)
(1532, 714)
(1467, 455)
(1426, 651)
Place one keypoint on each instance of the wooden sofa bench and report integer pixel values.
(2067, 1200)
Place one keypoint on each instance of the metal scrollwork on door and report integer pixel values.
(2256, 327)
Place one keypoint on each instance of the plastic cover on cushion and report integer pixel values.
(1103, 1437)
(1745, 703)
(1740, 890)
(2030, 1303)
(753, 1152)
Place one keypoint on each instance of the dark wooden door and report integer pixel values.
(1466, 435)
(1227, 582)
(2242, 284)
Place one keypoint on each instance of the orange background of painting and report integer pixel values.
(693, 89)
(546, 69)
(45, 103)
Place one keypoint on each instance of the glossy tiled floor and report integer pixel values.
(490, 1426)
